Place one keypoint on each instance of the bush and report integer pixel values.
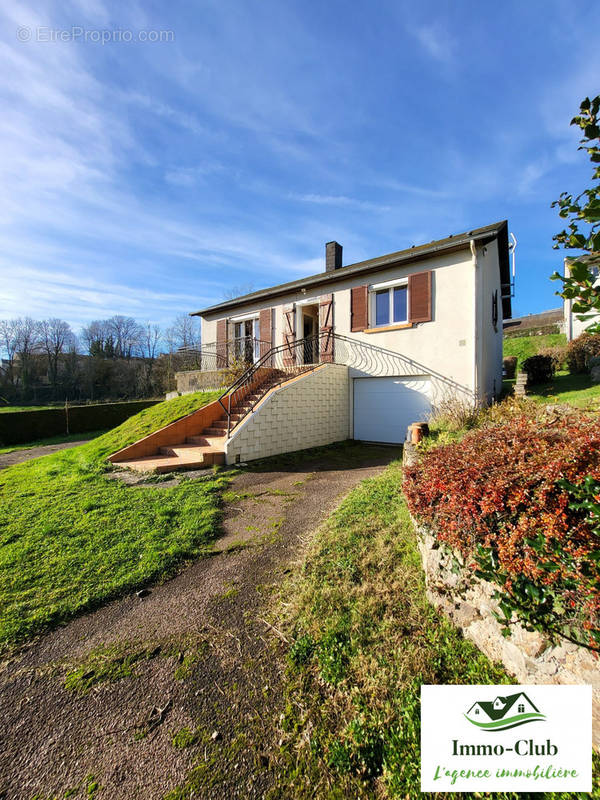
(510, 366)
(581, 350)
(539, 369)
(519, 501)
(454, 414)
(558, 353)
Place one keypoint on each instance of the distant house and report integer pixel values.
(574, 327)
(551, 321)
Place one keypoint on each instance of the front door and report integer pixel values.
(308, 334)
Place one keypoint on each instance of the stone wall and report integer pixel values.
(527, 655)
(310, 411)
(198, 381)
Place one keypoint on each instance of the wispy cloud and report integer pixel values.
(341, 201)
(436, 41)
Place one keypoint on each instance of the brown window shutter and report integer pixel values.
(265, 330)
(358, 308)
(222, 360)
(326, 328)
(289, 336)
(419, 297)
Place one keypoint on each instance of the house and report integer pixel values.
(483, 713)
(573, 326)
(551, 321)
(358, 351)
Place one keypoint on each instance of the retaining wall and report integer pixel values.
(310, 411)
(527, 655)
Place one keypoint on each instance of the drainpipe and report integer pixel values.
(475, 326)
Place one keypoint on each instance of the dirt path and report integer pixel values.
(17, 456)
(208, 665)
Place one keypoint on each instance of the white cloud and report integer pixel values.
(340, 200)
(436, 41)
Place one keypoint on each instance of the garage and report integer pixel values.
(385, 407)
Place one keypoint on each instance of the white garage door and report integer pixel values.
(385, 407)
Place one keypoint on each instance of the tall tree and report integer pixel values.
(9, 342)
(28, 344)
(583, 230)
(95, 336)
(56, 338)
(184, 333)
(127, 334)
(151, 339)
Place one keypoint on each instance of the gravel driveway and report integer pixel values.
(17, 456)
(199, 700)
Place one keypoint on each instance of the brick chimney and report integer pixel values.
(333, 256)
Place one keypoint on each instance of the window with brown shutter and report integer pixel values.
(326, 328)
(222, 360)
(419, 297)
(358, 308)
(289, 336)
(265, 330)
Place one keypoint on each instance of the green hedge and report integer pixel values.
(20, 427)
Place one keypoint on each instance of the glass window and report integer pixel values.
(400, 307)
(382, 307)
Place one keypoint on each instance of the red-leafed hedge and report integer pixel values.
(521, 501)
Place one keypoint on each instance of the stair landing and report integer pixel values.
(180, 456)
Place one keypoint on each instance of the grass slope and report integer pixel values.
(364, 640)
(524, 346)
(71, 538)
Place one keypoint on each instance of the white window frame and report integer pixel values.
(390, 286)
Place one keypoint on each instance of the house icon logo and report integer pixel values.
(504, 712)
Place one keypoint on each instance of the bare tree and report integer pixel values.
(9, 341)
(56, 338)
(184, 333)
(95, 337)
(238, 291)
(27, 345)
(151, 338)
(128, 335)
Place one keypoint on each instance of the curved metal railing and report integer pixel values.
(278, 365)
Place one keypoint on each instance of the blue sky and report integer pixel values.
(149, 178)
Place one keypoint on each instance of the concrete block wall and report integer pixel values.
(310, 412)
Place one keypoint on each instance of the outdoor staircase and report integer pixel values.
(206, 447)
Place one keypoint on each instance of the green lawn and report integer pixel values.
(364, 640)
(7, 409)
(71, 538)
(524, 346)
(576, 390)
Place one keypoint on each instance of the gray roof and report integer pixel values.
(498, 230)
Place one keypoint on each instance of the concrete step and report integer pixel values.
(171, 463)
(213, 432)
(184, 450)
(206, 441)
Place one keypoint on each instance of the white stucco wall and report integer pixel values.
(309, 412)
(489, 345)
(574, 327)
(443, 349)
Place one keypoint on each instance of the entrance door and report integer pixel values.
(244, 340)
(309, 336)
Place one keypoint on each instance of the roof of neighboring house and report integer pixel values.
(541, 320)
(498, 230)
